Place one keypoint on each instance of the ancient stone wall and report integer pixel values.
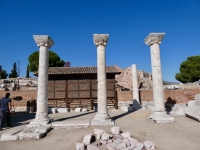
(171, 96)
(25, 94)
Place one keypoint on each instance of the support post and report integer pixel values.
(159, 115)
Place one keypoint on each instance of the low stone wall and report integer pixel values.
(25, 94)
(171, 96)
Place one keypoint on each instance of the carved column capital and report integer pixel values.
(153, 38)
(43, 40)
(100, 39)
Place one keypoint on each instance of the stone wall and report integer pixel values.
(171, 96)
(25, 94)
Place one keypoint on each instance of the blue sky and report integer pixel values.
(72, 23)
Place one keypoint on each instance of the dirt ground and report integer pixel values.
(183, 134)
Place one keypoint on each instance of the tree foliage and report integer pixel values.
(3, 74)
(13, 73)
(189, 70)
(54, 61)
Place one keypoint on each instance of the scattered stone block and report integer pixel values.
(127, 142)
(190, 103)
(103, 142)
(117, 141)
(99, 133)
(84, 109)
(149, 145)
(21, 109)
(120, 146)
(197, 99)
(126, 135)
(139, 146)
(118, 137)
(54, 110)
(99, 143)
(194, 113)
(77, 109)
(115, 130)
(105, 136)
(80, 146)
(92, 147)
(63, 110)
(87, 139)
(111, 146)
(10, 135)
(133, 142)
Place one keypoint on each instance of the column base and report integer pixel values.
(161, 117)
(108, 122)
(40, 121)
(102, 117)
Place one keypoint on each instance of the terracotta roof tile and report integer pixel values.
(81, 70)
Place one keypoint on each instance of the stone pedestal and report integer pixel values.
(153, 40)
(136, 102)
(102, 116)
(44, 42)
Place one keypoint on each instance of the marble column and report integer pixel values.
(159, 115)
(44, 42)
(102, 116)
(136, 101)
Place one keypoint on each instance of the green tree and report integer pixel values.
(54, 61)
(13, 73)
(3, 74)
(189, 70)
(27, 72)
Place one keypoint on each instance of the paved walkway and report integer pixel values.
(183, 134)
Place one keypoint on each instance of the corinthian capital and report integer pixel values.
(100, 39)
(153, 38)
(43, 40)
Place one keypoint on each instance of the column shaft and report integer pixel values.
(42, 95)
(157, 78)
(101, 77)
(135, 83)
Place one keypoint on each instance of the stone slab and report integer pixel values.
(71, 124)
(106, 123)
(197, 99)
(21, 109)
(42, 129)
(30, 135)
(63, 110)
(161, 117)
(77, 110)
(10, 135)
(194, 113)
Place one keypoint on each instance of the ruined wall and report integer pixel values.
(25, 94)
(171, 96)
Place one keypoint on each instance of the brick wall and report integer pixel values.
(25, 94)
(178, 96)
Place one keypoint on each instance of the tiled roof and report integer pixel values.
(81, 70)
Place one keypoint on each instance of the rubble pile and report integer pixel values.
(118, 140)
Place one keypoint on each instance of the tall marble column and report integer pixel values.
(44, 42)
(136, 101)
(159, 115)
(102, 116)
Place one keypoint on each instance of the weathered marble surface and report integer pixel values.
(100, 40)
(135, 83)
(153, 40)
(44, 42)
